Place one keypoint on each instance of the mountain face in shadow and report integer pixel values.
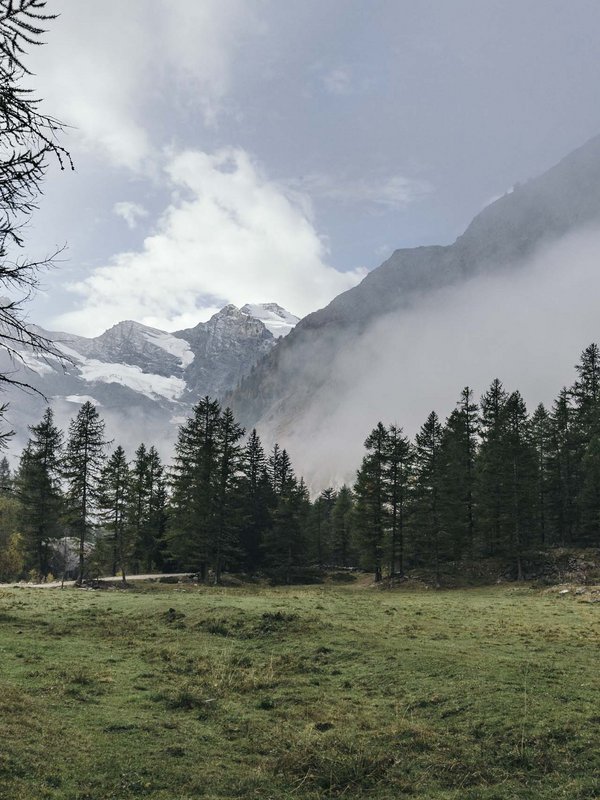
(502, 238)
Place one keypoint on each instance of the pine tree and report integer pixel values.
(564, 469)
(399, 459)
(541, 439)
(38, 489)
(342, 551)
(6, 476)
(194, 482)
(426, 503)
(82, 465)
(492, 477)
(226, 531)
(284, 543)
(322, 513)
(371, 513)
(521, 459)
(256, 498)
(114, 504)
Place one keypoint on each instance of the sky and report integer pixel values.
(259, 150)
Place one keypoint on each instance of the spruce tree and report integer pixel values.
(342, 550)
(226, 530)
(194, 488)
(426, 504)
(82, 465)
(256, 499)
(38, 489)
(492, 471)
(284, 543)
(370, 489)
(542, 442)
(114, 505)
(564, 468)
(399, 457)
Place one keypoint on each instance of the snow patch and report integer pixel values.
(148, 384)
(80, 399)
(37, 365)
(171, 344)
(275, 318)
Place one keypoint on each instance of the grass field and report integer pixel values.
(186, 692)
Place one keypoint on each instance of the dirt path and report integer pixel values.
(107, 579)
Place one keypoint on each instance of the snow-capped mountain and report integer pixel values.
(143, 379)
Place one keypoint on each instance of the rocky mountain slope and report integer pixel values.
(298, 383)
(144, 380)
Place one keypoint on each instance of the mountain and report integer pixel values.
(299, 387)
(144, 380)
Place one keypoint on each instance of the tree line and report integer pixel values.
(491, 480)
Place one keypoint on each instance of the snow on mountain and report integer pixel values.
(144, 379)
(172, 345)
(275, 318)
(146, 383)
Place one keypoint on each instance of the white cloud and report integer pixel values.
(107, 65)
(390, 192)
(130, 212)
(229, 235)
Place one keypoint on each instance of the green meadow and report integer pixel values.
(173, 692)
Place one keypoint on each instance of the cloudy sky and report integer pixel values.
(256, 150)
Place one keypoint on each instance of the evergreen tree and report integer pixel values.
(82, 465)
(38, 489)
(426, 504)
(521, 459)
(114, 504)
(399, 458)
(226, 530)
(256, 498)
(342, 551)
(6, 476)
(284, 543)
(194, 487)
(563, 471)
(322, 513)
(370, 489)
(492, 477)
(542, 442)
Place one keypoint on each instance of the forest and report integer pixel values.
(491, 481)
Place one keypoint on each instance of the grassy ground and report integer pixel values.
(185, 692)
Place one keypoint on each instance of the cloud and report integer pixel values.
(109, 69)
(526, 325)
(130, 212)
(229, 235)
(388, 192)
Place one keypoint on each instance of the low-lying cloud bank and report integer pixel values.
(526, 325)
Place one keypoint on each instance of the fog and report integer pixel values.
(526, 325)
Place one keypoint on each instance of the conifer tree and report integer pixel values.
(399, 459)
(564, 470)
(322, 512)
(284, 543)
(426, 504)
(521, 458)
(256, 498)
(225, 541)
(194, 484)
(541, 439)
(114, 504)
(342, 551)
(370, 489)
(6, 476)
(82, 465)
(492, 476)
(38, 489)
